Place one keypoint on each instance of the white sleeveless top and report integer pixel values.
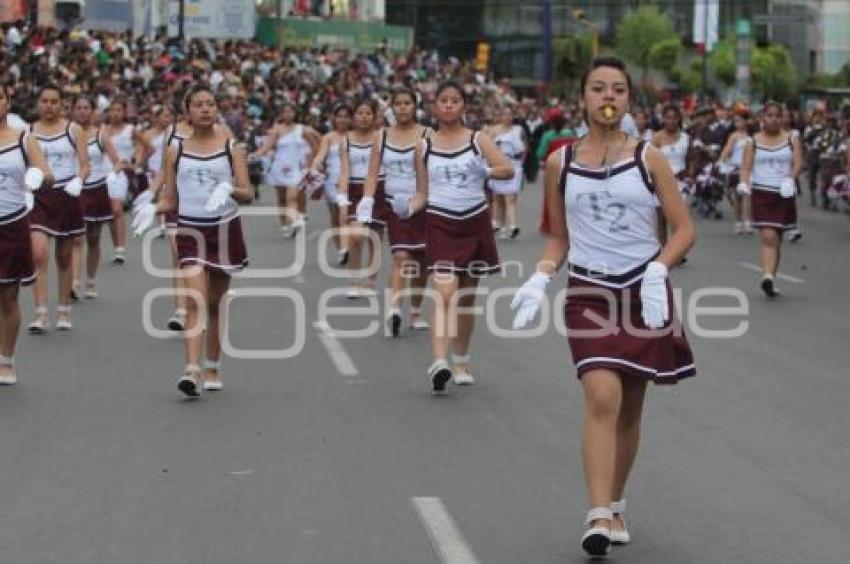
(771, 165)
(399, 167)
(290, 150)
(13, 166)
(155, 160)
(333, 162)
(510, 144)
(359, 155)
(611, 217)
(736, 157)
(676, 153)
(455, 186)
(60, 152)
(197, 176)
(99, 162)
(123, 143)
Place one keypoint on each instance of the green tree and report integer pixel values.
(773, 72)
(572, 57)
(640, 30)
(663, 55)
(722, 61)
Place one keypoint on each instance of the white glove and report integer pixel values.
(788, 188)
(528, 298)
(74, 187)
(29, 200)
(365, 208)
(401, 206)
(143, 218)
(145, 197)
(219, 197)
(33, 178)
(743, 189)
(117, 185)
(478, 167)
(342, 200)
(653, 296)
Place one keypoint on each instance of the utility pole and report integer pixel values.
(181, 21)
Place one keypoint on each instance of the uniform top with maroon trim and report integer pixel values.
(359, 155)
(676, 153)
(456, 178)
(60, 152)
(197, 176)
(771, 165)
(99, 162)
(610, 214)
(13, 166)
(399, 166)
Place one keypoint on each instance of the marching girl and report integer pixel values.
(674, 144)
(604, 192)
(293, 144)
(205, 173)
(731, 158)
(356, 155)
(399, 158)
(329, 160)
(125, 139)
(94, 198)
(510, 140)
(18, 151)
(769, 170)
(460, 247)
(57, 212)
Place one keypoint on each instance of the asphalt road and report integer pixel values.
(339, 455)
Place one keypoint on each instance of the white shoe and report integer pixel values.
(440, 374)
(739, 228)
(178, 320)
(188, 382)
(297, 225)
(75, 290)
(91, 290)
(286, 231)
(120, 256)
(64, 323)
(353, 292)
(618, 508)
(212, 385)
(596, 540)
(393, 324)
(465, 377)
(40, 324)
(419, 324)
(11, 378)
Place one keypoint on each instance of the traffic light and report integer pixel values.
(482, 56)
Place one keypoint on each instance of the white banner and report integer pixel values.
(706, 22)
(217, 19)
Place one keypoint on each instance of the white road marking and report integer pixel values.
(340, 358)
(779, 275)
(443, 532)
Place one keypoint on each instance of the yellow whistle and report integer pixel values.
(608, 112)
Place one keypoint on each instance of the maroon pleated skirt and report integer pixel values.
(380, 211)
(605, 330)
(770, 209)
(460, 242)
(218, 246)
(57, 214)
(16, 262)
(406, 234)
(96, 205)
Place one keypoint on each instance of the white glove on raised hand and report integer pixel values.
(143, 218)
(342, 200)
(33, 178)
(788, 188)
(743, 189)
(653, 296)
(528, 298)
(401, 206)
(29, 201)
(364, 209)
(117, 185)
(74, 187)
(218, 197)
